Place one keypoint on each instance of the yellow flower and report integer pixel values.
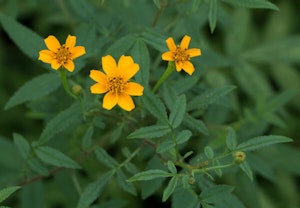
(115, 82)
(61, 55)
(181, 54)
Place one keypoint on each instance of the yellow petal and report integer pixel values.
(77, 51)
(109, 65)
(134, 89)
(126, 102)
(178, 65)
(55, 65)
(193, 52)
(185, 42)
(168, 56)
(127, 68)
(98, 76)
(69, 65)
(171, 44)
(71, 41)
(110, 100)
(98, 88)
(46, 56)
(52, 43)
(188, 67)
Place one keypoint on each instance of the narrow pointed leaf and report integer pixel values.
(149, 175)
(150, 132)
(212, 15)
(246, 168)
(178, 111)
(195, 124)
(105, 158)
(126, 186)
(262, 4)
(6, 192)
(215, 193)
(170, 188)
(231, 141)
(22, 144)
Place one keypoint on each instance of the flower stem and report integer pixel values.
(169, 70)
(63, 75)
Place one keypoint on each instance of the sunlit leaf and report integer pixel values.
(149, 175)
(6, 192)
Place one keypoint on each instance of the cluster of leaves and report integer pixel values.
(180, 142)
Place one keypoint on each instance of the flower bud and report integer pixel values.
(239, 157)
(77, 89)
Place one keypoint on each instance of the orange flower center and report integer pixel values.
(63, 54)
(180, 54)
(116, 84)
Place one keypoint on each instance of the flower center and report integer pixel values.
(63, 54)
(116, 84)
(181, 55)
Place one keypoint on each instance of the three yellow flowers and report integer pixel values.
(115, 81)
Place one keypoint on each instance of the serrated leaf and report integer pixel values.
(6, 192)
(29, 42)
(54, 157)
(141, 56)
(93, 191)
(149, 175)
(105, 158)
(125, 43)
(155, 39)
(154, 105)
(212, 15)
(246, 168)
(150, 132)
(215, 193)
(170, 188)
(62, 121)
(168, 144)
(209, 152)
(261, 4)
(126, 186)
(37, 87)
(195, 124)
(87, 138)
(22, 144)
(171, 167)
(262, 141)
(231, 141)
(208, 97)
(178, 111)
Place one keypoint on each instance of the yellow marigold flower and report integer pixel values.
(115, 82)
(61, 55)
(181, 55)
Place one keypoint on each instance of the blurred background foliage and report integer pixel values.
(256, 50)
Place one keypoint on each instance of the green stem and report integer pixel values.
(169, 70)
(63, 75)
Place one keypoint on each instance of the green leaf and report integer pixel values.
(172, 167)
(215, 193)
(157, 3)
(208, 97)
(212, 15)
(209, 152)
(178, 111)
(33, 195)
(154, 105)
(141, 56)
(54, 157)
(29, 42)
(149, 132)
(170, 188)
(87, 138)
(195, 124)
(155, 39)
(6, 192)
(168, 144)
(38, 167)
(126, 186)
(93, 191)
(262, 141)
(231, 141)
(246, 168)
(260, 4)
(124, 43)
(61, 122)
(37, 87)
(22, 144)
(149, 175)
(105, 158)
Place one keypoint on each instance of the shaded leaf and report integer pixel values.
(149, 175)
(149, 132)
(195, 124)
(170, 188)
(178, 111)
(212, 15)
(87, 138)
(22, 144)
(263, 4)
(168, 144)
(246, 168)
(126, 186)
(105, 158)
(6, 192)
(231, 141)
(215, 193)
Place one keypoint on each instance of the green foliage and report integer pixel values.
(4, 193)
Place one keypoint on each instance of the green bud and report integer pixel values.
(77, 89)
(239, 157)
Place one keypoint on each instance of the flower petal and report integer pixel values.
(178, 65)
(135, 89)
(126, 102)
(185, 42)
(188, 67)
(55, 65)
(193, 52)
(46, 56)
(52, 43)
(77, 51)
(110, 100)
(69, 65)
(168, 56)
(98, 76)
(98, 88)
(127, 68)
(171, 44)
(71, 41)
(109, 65)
